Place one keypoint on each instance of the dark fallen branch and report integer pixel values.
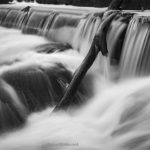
(98, 44)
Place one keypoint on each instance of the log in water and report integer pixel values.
(40, 51)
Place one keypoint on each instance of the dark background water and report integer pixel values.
(126, 4)
(97, 3)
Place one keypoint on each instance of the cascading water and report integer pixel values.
(135, 58)
(36, 67)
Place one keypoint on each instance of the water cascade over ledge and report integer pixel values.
(41, 47)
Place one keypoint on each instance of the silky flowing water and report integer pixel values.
(112, 105)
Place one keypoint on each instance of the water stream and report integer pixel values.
(40, 51)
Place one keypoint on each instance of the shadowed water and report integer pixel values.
(38, 71)
(111, 109)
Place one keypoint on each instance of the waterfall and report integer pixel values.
(115, 36)
(24, 55)
(12, 19)
(135, 57)
(41, 47)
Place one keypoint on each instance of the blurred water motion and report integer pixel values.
(39, 53)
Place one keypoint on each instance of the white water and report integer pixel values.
(16, 46)
(92, 126)
(116, 118)
(23, 2)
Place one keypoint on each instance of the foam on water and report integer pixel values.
(116, 115)
(117, 118)
(23, 2)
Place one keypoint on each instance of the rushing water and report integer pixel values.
(36, 66)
